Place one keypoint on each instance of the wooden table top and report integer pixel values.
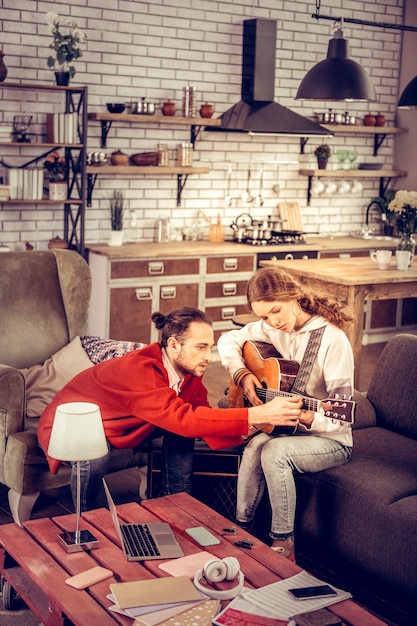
(347, 271)
(42, 565)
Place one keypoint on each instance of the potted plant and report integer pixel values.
(322, 154)
(117, 203)
(66, 46)
(55, 167)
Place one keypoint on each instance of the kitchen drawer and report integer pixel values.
(226, 289)
(130, 314)
(231, 263)
(226, 312)
(175, 296)
(154, 267)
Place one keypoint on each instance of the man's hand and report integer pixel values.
(281, 411)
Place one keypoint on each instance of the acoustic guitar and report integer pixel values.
(277, 376)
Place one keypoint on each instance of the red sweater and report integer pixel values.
(134, 397)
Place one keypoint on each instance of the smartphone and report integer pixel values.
(202, 536)
(309, 593)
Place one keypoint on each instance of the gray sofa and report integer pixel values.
(356, 525)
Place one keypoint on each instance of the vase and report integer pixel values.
(58, 190)
(62, 79)
(321, 163)
(116, 238)
(3, 68)
(408, 243)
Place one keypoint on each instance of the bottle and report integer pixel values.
(163, 230)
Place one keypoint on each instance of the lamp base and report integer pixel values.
(77, 542)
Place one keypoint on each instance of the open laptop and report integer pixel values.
(143, 542)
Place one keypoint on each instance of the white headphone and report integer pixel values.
(215, 571)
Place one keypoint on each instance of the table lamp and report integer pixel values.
(77, 435)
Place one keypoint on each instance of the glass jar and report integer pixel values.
(162, 154)
(185, 154)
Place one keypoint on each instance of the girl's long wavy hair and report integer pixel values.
(275, 285)
(177, 322)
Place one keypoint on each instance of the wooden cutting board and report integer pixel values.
(290, 216)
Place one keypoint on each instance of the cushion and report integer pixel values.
(44, 381)
(99, 349)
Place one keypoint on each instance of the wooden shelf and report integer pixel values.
(357, 129)
(153, 119)
(43, 201)
(132, 170)
(353, 173)
(41, 144)
(42, 87)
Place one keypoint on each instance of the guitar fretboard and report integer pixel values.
(309, 404)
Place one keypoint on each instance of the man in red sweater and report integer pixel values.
(160, 386)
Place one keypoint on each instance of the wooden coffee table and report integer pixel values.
(36, 566)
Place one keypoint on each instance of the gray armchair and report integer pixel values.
(44, 300)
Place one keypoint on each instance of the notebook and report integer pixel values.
(142, 542)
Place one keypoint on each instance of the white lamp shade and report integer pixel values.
(77, 433)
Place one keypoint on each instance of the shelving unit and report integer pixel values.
(74, 205)
(379, 133)
(384, 176)
(182, 173)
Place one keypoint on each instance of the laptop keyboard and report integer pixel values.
(138, 540)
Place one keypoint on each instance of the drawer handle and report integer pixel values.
(229, 289)
(144, 293)
(168, 293)
(155, 267)
(229, 265)
(228, 312)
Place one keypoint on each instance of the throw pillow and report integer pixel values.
(44, 381)
(99, 349)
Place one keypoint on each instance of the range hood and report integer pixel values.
(256, 112)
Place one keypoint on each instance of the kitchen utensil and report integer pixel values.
(228, 197)
(144, 158)
(276, 188)
(115, 107)
(246, 195)
(259, 197)
(317, 187)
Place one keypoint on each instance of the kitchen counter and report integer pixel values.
(149, 250)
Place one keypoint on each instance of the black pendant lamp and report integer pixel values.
(408, 99)
(337, 77)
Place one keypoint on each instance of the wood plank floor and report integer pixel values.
(125, 485)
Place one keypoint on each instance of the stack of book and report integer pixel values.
(62, 128)
(26, 184)
(6, 131)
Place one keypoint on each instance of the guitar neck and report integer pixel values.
(309, 404)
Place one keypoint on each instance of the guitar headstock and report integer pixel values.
(339, 408)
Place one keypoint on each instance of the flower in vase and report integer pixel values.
(66, 41)
(404, 205)
(55, 166)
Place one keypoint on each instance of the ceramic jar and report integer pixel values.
(168, 108)
(379, 120)
(369, 120)
(119, 158)
(206, 110)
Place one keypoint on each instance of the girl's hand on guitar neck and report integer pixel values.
(278, 412)
(249, 384)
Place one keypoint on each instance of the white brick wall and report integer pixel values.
(153, 49)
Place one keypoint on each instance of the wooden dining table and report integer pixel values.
(353, 281)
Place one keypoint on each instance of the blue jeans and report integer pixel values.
(272, 462)
(177, 469)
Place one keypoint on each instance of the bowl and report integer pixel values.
(144, 158)
(115, 108)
